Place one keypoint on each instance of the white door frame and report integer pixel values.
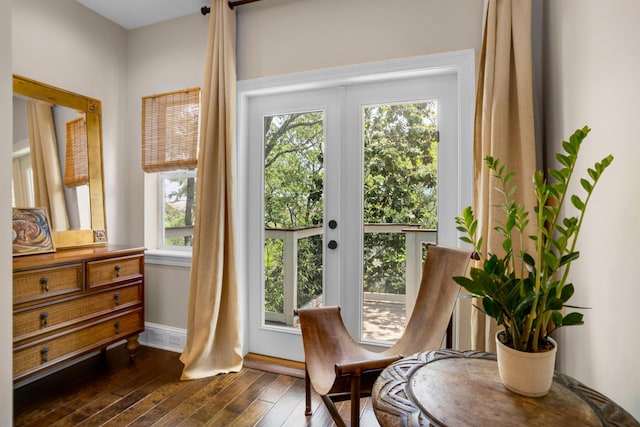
(460, 63)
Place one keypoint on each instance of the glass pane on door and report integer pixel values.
(293, 207)
(400, 208)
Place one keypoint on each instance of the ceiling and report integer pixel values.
(132, 14)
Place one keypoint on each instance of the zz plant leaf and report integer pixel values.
(528, 292)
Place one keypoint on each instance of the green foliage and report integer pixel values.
(294, 180)
(400, 150)
(293, 170)
(400, 177)
(400, 186)
(273, 275)
(527, 293)
(179, 208)
(400, 183)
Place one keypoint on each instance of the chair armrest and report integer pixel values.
(357, 367)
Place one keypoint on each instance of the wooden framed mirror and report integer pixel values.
(77, 204)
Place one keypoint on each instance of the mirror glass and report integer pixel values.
(77, 212)
(57, 160)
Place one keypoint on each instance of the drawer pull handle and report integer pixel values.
(43, 318)
(45, 354)
(44, 281)
(117, 326)
(118, 268)
(116, 297)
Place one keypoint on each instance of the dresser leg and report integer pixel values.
(132, 346)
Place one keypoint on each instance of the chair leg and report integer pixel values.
(355, 400)
(333, 411)
(307, 392)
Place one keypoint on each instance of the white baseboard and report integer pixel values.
(163, 337)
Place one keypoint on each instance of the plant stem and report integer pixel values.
(541, 196)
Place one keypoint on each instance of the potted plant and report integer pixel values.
(527, 293)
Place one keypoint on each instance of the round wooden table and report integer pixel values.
(463, 388)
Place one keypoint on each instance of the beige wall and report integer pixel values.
(64, 44)
(166, 295)
(163, 57)
(588, 82)
(288, 36)
(6, 296)
(278, 37)
(591, 69)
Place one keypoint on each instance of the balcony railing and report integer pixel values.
(415, 238)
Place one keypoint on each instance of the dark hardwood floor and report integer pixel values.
(107, 390)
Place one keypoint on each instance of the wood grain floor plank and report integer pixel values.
(135, 390)
(73, 390)
(250, 395)
(115, 409)
(251, 416)
(110, 392)
(213, 385)
(156, 391)
(284, 407)
(274, 392)
(222, 399)
(155, 414)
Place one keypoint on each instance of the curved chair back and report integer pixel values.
(436, 299)
(339, 368)
(327, 343)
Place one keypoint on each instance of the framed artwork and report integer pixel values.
(31, 231)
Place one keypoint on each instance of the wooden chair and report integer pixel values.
(340, 369)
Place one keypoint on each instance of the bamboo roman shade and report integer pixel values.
(76, 166)
(170, 130)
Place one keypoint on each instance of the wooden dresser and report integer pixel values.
(75, 301)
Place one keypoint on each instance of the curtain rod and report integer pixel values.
(206, 9)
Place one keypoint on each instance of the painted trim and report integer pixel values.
(163, 337)
(461, 63)
(166, 257)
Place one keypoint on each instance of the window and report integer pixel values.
(177, 209)
(76, 165)
(170, 136)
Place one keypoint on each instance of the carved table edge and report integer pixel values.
(394, 401)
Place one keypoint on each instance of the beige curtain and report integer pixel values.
(47, 179)
(213, 332)
(504, 127)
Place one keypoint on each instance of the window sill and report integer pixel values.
(166, 257)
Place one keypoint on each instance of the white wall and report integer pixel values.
(64, 44)
(6, 295)
(591, 72)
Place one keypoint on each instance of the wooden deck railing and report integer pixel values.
(415, 238)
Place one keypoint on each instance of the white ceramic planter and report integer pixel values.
(528, 374)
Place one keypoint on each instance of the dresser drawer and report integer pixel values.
(49, 317)
(105, 272)
(34, 285)
(41, 354)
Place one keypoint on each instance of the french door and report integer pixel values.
(345, 185)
